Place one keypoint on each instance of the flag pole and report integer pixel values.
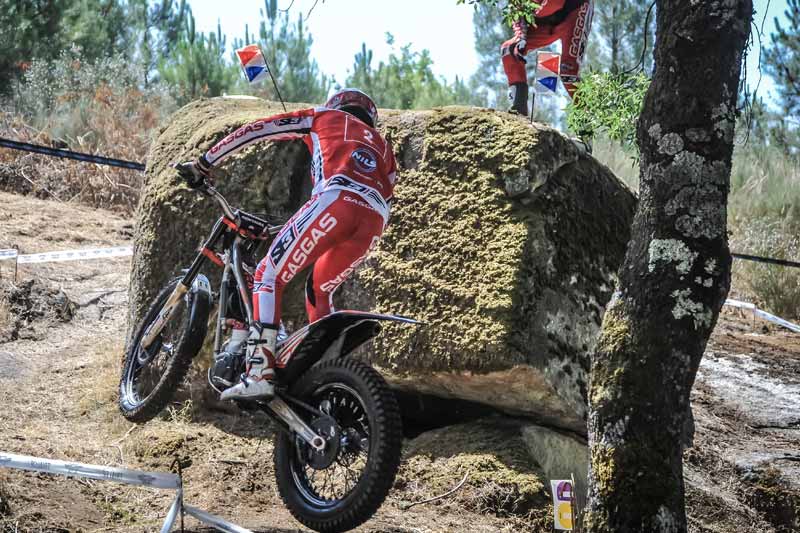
(533, 92)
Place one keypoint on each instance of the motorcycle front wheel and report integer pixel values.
(343, 486)
(150, 377)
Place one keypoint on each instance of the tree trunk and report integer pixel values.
(615, 38)
(676, 272)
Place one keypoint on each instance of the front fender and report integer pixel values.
(200, 300)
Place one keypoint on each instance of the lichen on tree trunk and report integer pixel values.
(676, 272)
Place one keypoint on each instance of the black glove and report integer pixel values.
(521, 36)
(193, 173)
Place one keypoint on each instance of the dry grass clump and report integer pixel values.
(775, 288)
(5, 505)
(100, 395)
(73, 181)
(96, 107)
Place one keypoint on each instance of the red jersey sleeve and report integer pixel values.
(274, 128)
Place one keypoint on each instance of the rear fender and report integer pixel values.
(335, 335)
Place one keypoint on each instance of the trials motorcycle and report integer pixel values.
(338, 450)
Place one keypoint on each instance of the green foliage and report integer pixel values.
(63, 96)
(771, 128)
(490, 31)
(406, 80)
(43, 28)
(512, 11)
(618, 35)
(157, 28)
(287, 49)
(197, 66)
(609, 104)
(782, 60)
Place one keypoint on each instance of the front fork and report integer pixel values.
(155, 327)
(184, 285)
(233, 264)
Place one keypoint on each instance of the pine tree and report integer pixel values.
(42, 29)
(155, 28)
(406, 80)
(490, 32)
(618, 35)
(287, 49)
(782, 60)
(197, 65)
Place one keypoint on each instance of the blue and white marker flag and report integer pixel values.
(548, 69)
(253, 63)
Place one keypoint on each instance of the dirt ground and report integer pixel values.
(59, 372)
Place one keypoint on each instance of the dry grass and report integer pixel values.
(95, 107)
(5, 313)
(621, 162)
(99, 396)
(774, 288)
(65, 180)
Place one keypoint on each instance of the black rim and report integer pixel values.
(327, 487)
(147, 368)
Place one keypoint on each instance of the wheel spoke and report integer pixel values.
(327, 486)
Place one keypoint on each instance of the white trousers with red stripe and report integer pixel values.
(333, 231)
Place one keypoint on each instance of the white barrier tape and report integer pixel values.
(777, 320)
(741, 305)
(102, 473)
(76, 255)
(8, 253)
(763, 314)
(215, 521)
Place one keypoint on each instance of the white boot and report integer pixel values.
(257, 383)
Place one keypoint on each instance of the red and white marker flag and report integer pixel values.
(548, 69)
(253, 63)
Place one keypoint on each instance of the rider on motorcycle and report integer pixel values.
(353, 172)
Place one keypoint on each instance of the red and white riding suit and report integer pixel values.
(567, 20)
(353, 171)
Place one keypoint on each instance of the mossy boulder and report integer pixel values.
(500, 477)
(504, 239)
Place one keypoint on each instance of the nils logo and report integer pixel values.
(365, 160)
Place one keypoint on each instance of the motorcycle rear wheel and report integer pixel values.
(151, 377)
(367, 432)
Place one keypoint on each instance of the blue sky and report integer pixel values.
(444, 28)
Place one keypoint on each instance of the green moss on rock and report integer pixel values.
(503, 240)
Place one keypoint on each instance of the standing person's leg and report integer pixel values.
(574, 34)
(307, 235)
(338, 263)
(514, 65)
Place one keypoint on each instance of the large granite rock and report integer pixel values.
(504, 240)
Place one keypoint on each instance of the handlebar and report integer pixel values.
(206, 187)
(226, 207)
